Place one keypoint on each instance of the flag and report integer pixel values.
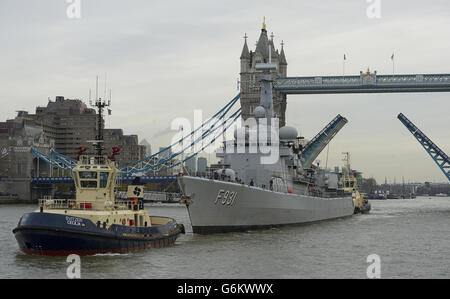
(345, 58)
(392, 57)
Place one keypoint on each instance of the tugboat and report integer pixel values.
(95, 221)
(350, 185)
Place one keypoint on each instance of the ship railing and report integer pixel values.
(152, 196)
(49, 203)
(128, 204)
(72, 204)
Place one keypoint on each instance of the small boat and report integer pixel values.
(350, 185)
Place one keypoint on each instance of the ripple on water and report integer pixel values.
(410, 236)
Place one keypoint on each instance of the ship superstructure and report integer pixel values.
(268, 177)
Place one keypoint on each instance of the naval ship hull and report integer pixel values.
(54, 234)
(218, 206)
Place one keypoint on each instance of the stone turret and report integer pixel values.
(245, 57)
(283, 62)
(250, 77)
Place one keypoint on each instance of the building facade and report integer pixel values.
(71, 124)
(17, 164)
(64, 125)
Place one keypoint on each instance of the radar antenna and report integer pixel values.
(98, 142)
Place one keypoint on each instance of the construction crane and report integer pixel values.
(441, 159)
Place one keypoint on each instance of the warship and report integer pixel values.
(250, 192)
(95, 221)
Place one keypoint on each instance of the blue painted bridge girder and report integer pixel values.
(438, 155)
(320, 141)
(123, 179)
(364, 83)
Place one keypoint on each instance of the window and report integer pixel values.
(88, 184)
(103, 179)
(88, 175)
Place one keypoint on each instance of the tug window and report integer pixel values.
(103, 179)
(88, 184)
(88, 174)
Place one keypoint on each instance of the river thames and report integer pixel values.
(410, 236)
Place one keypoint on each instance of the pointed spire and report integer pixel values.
(262, 46)
(272, 47)
(245, 52)
(264, 24)
(282, 56)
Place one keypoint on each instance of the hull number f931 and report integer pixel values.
(225, 197)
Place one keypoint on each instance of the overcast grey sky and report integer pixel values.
(163, 59)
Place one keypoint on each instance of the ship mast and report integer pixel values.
(100, 104)
(99, 138)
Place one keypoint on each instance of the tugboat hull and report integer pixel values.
(54, 234)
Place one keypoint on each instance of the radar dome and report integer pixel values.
(288, 133)
(259, 112)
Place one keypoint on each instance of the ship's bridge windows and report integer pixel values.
(88, 184)
(88, 174)
(103, 179)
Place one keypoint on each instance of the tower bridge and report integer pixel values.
(365, 82)
(250, 76)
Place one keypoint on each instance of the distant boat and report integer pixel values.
(441, 195)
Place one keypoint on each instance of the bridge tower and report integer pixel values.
(250, 77)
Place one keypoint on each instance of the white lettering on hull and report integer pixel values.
(225, 197)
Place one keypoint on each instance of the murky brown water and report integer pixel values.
(412, 238)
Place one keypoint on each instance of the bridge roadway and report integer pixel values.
(364, 83)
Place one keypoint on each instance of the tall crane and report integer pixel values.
(441, 158)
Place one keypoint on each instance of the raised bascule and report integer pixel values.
(438, 155)
(320, 141)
